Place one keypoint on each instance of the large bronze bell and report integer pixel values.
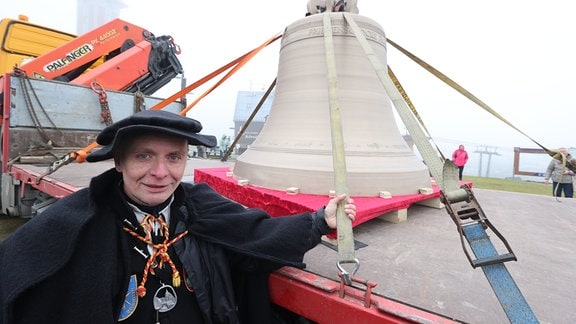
(294, 148)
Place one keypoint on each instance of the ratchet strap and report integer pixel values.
(466, 93)
(444, 172)
(80, 155)
(344, 224)
(247, 57)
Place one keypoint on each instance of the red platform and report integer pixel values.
(279, 203)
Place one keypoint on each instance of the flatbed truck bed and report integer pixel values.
(420, 262)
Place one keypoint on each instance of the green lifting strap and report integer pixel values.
(514, 304)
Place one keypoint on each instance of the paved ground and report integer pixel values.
(9, 224)
(421, 261)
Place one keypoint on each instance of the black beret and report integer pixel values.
(149, 121)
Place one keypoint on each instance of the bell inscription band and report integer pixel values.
(294, 148)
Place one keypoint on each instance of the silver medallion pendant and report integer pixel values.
(165, 298)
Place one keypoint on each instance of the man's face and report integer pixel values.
(152, 167)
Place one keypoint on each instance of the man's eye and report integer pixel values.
(174, 157)
(143, 156)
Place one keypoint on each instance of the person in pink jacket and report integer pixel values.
(460, 157)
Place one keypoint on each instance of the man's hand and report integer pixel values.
(330, 210)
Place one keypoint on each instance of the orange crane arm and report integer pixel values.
(81, 52)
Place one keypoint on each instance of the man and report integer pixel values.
(140, 246)
(562, 177)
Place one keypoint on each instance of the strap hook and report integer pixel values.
(345, 274)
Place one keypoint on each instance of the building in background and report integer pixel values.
(246, 103)
(91, 13)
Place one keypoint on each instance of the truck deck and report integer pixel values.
(420, 262)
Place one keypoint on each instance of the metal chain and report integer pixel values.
(105, 115)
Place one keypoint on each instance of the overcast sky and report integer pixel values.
(515, 55)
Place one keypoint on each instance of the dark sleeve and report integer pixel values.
(60, 250)
(320, 224)
(252, 231)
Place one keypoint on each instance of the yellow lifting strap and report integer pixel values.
(434, 164)
(345, 234)
(553, 153)
(445, 173)
(411, 106)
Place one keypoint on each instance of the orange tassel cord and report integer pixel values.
(159, 254)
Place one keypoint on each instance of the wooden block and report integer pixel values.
(292, 191)
(243, 182)
(426, 191)
(396, 217)
(385, 194)
(432, 202)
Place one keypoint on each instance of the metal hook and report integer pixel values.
(345, 274)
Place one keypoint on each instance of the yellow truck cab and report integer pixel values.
(21, 40)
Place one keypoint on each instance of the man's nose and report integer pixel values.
(159, 168)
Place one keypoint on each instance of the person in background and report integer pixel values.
(141, 246)
(460, 158)
(562, 177)
(224, 144)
